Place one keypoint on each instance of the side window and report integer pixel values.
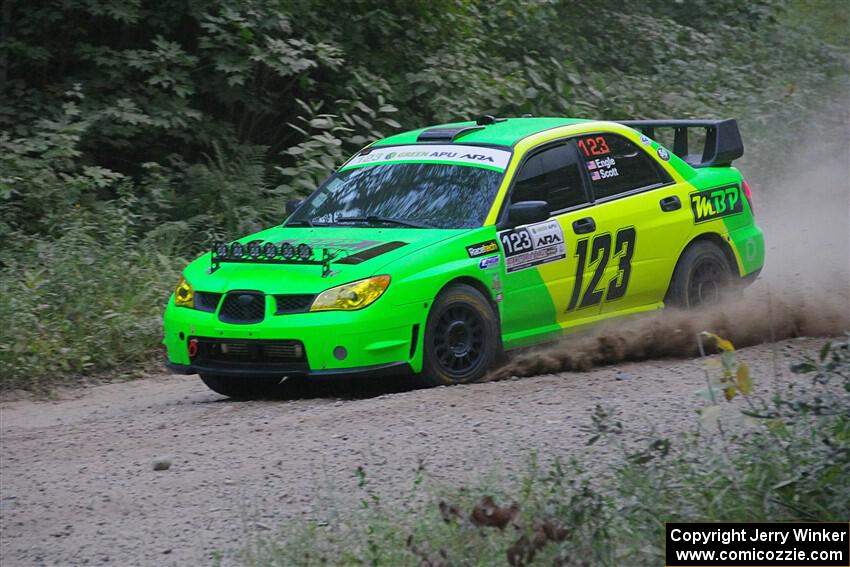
(616, 165)
(551, 175)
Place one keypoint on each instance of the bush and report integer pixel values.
(86, 301)
(194, 93)
(789, 462)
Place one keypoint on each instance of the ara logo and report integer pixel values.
(716, 203)
(478, 157)
(547, 239)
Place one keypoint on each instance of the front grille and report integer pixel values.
(243, 307)
(293, 303)
(250, 351)
(206, 300)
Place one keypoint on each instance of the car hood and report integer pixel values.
(362, 252)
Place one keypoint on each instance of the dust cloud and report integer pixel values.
(804, 289)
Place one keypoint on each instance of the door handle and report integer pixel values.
(585, 225)
(670, 204)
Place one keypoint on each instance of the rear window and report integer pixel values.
(616, 165)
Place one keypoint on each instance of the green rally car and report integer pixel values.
(433, 251)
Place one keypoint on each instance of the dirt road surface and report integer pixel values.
(78, 485)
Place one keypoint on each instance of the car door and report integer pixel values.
(540, 262)
(641, 224)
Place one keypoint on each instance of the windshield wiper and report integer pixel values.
(374, 219)
(302, 222)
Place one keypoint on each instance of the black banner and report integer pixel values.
(758, 544)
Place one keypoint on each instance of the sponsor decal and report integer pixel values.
(663, 153)
(644, 139)
(602, 168)
(533, 245)
(716, 203)
(485, 263)
(452, 153)
(497, 283)
(482, 249)
(499, 297)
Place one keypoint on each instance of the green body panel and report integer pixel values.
(533, 304)
(739, 230)
(379, 334)
(506, 133)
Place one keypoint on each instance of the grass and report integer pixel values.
(782, 456)
(88, 301)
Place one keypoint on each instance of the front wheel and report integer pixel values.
(461, 337)
(240, 387)
(701, 277)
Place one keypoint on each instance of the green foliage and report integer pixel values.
(830, 19)
(790, 464)
(288, 89)
(329, 139)
(86, 301)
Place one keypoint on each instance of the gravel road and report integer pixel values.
(79, 486)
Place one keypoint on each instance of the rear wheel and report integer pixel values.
(240, 387)
(701, 278)
(461, 337)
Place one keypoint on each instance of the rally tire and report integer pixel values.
(240, 387)
(461, 337)
(702, 277)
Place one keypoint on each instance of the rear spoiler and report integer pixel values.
(723, 142)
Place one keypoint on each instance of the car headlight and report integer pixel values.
(184, 295)
(351, 296)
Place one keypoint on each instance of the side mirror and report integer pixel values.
(527, 212)
(292, 206)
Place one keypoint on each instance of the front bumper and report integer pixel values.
(380, 338)
(390, 369)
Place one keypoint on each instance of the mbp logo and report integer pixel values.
(716, 203)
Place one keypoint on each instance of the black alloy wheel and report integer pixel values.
(708, 278)
(701, 278)
(461, 337)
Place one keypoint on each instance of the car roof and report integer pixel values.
(504, 132)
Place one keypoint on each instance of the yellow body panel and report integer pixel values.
(659, 239)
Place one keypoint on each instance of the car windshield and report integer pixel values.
(437, 195)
